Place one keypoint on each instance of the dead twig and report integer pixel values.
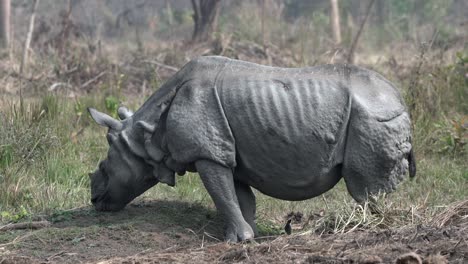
(26, 225)
(70, 71)
(456, 245)
(455, 213)
(92, 80)
(55, 255)
(18, 239)
(162, 65)
(211, 236)
(54, 86)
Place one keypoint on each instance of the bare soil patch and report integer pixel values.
(176, 232)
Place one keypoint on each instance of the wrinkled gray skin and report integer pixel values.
(289, 133)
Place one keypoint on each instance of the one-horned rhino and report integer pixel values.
(291, 133)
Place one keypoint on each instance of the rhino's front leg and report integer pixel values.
(246, 199)
(219, 182)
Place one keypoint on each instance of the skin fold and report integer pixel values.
(291, 133)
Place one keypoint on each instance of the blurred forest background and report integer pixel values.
(80, 38)
(62, 56)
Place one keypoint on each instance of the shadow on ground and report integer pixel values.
(157, 216)
(87, 235)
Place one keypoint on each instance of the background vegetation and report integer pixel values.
(107, 53)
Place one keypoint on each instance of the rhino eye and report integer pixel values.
(111, 138)
(102, 168)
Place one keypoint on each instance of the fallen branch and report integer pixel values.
(54, 86)
(26, 225)
(92, 80)
(17, 240)
(59, 254)
(162, 65)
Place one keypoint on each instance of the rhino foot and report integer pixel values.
(238, 233)
(219, 182)
(246, 199)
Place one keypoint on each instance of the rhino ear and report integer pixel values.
(124, 113)
(104, 119)
(133, 144)
(146, 127)
(153, 151)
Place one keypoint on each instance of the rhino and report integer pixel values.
(290, 133)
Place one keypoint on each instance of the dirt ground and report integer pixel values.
(175, 232)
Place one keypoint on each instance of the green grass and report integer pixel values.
(46, 159)
(46, 149)
(49, 145)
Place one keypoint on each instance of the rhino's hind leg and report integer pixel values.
(219, 182)
(247, 204)
(376, 155)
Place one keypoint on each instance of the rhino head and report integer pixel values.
(134, 162)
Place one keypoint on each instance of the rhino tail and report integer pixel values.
(412, 163)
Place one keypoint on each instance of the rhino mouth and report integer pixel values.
(108, 207)
(102, 204)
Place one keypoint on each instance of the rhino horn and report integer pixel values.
(104, 119)
(124, 113)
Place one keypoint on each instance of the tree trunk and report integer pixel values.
(170, 15)
(205, 18)
(380, 10)
(263, 23)
(358, 34)
(335, 21)
(4, 23)
(27, 42)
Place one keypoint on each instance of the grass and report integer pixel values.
(49, 144)
(48, 149)
(44, 160)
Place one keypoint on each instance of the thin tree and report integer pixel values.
(263, 23)
(335, 21)
(169, 13)
(380, 8)
(358, 34)
(27, 43)
(205, 17)
(5, 23)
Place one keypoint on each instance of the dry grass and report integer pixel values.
(48, 144)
